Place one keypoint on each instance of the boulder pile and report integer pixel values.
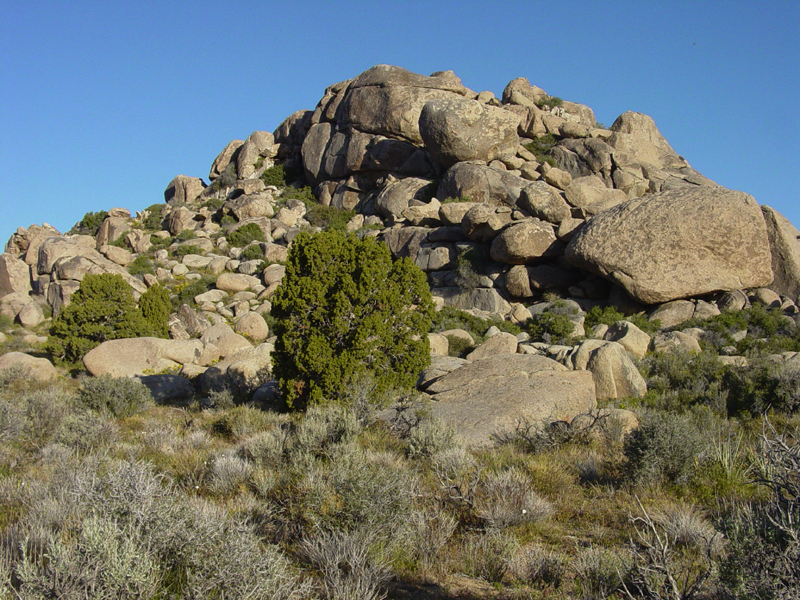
(500, 201)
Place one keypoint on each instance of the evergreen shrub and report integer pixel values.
(153, 219)
(329, 217)
(102, 309)
(89, 224)
(274, 176)
(155, 306)
(246, 234)
(345, 309)
(142, 265)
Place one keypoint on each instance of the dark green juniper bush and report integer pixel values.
(345, 308)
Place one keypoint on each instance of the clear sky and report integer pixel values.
(103, 103)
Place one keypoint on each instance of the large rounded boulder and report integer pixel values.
(387, 100)
(457, 129)
(493, 395)
(481, 183)
(677, 244)
(525, 242)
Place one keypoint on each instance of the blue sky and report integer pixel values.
(103, 103)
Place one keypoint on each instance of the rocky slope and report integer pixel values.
(498, 200)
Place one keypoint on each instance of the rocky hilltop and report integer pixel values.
(505, 203)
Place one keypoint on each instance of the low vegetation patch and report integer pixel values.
(328, 217)
(541, 146)
(142, 265)
(555, 324)
(184, 293)
(153, 220)
(246, 234)
(274, 176)
(608, 315)
(549, 102)
(453, 318)
(89, 224)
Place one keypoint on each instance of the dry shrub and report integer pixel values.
(488, 555)
(458, 476)
(14, 379)
(84, 431)
(161, 437)
(266, 447)
(34, 418)
(598, 573)
(354, 489)
(350, 568)
(224, 558)
(663, 449)
(687, 526)
(119, 396)
(104, 560)
(553, 477)
(322, 428)
(430, 436)
(507, 499)
(228, 473)
(128, 534)
(196, 440)
(264, 482)
(764, 539)
(535, 565)
(661, 567)
(243, 421)
(432, 528)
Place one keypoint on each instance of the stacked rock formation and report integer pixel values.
(498, 200)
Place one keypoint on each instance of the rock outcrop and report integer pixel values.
(495, 394)
(457, 130)
(677, 244)
(784, 243)
(146, 356)
(39, 369)
(498, 201)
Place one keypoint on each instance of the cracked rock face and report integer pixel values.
(677, 244)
